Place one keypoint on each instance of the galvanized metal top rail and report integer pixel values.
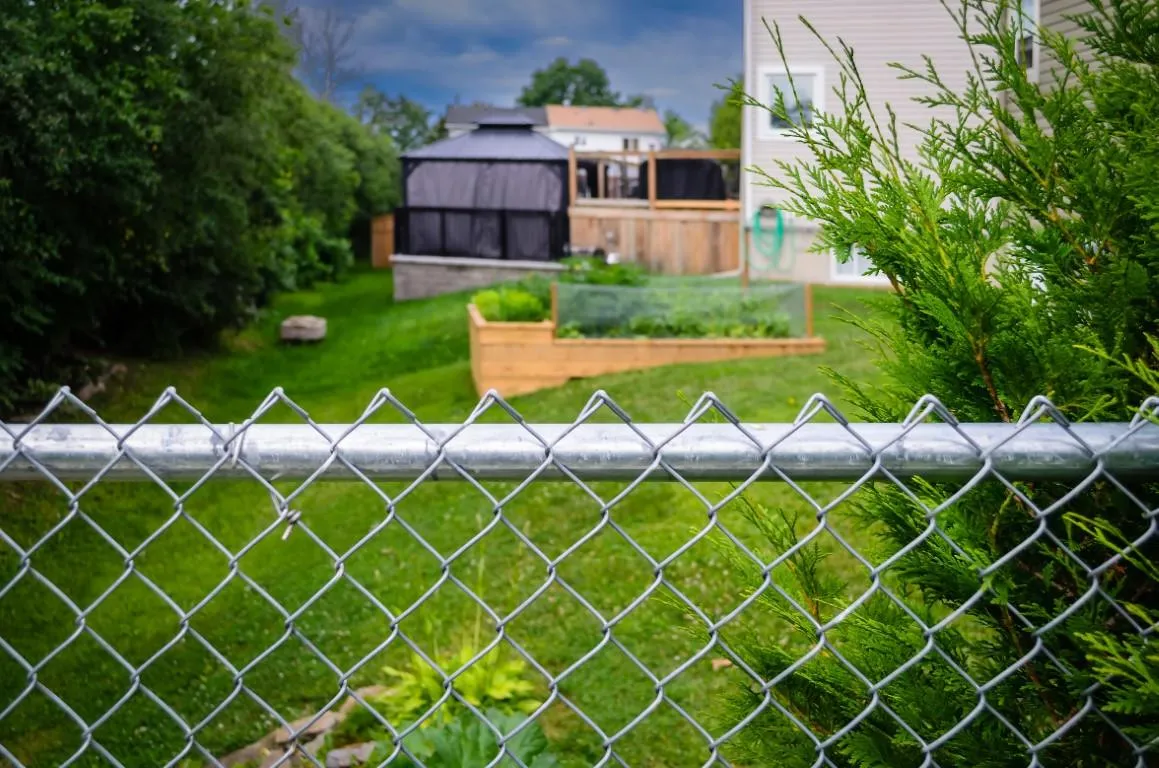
(809, 451)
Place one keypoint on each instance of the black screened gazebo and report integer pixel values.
(498, 192)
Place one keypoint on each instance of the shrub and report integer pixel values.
(493, 683)
(509, 305)
(159, 161)
(466, 742)
(1022, 247)
(595, 271)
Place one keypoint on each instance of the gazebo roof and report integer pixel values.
(498, 137)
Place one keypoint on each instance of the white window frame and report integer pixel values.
(860, 278)
(1035, 47)
(766, 131)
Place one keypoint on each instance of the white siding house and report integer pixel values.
(606, 129)
(880, 32)
(588, 129)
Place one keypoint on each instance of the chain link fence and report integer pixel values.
(703, 592)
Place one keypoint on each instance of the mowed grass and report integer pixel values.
(420, 352)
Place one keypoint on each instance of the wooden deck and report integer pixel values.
(675, 237)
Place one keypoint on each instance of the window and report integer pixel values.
(1025, 25)
(631, 145)
(855, 269)
(803, 109)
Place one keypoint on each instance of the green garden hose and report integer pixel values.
(770, 245)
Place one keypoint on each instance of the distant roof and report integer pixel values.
(629, 119)
(510, 140)
(460, 115)
(505, 120)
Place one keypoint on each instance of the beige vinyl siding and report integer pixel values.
(880, 32)
(1052, 14)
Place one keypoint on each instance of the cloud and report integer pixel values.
(677, 61)
(503, 16)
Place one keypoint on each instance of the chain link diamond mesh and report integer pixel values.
(85, 693)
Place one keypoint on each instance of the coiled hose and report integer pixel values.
(769, 245)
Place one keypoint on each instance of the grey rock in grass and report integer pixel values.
(303, 328)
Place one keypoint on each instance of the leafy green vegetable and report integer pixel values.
(510, 305)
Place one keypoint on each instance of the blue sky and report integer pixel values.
(675, 51)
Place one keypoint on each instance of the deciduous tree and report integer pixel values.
(161, 175)
(725, 118)
(406, 122)
(680, 132)
(583, 84)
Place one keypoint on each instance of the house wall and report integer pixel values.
(880, 32)
(1052, 15)
(604, 141)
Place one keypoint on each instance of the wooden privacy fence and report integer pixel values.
(381, 240)
(664, 241)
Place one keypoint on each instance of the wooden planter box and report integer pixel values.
(517, 358)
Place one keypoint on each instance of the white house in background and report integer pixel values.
(588, 129)
(605, 129)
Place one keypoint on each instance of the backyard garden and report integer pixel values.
(419, 350)
(598, 318)
(964, 622)
(595, 299)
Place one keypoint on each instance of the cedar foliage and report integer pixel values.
(1022, 244)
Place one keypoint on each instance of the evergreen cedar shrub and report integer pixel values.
(1023, 244)
(162, 175)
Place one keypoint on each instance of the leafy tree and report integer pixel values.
(1022, 247)
(161, 175)
(725, 118)
(406, 122)
(680, 131)
(583, 84)
(638, 101)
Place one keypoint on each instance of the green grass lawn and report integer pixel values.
(419, 351)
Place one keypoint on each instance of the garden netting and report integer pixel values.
(692, 310)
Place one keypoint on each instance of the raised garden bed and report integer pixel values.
(515, 358)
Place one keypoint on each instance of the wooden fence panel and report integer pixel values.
(382, 240)
(673, 242)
